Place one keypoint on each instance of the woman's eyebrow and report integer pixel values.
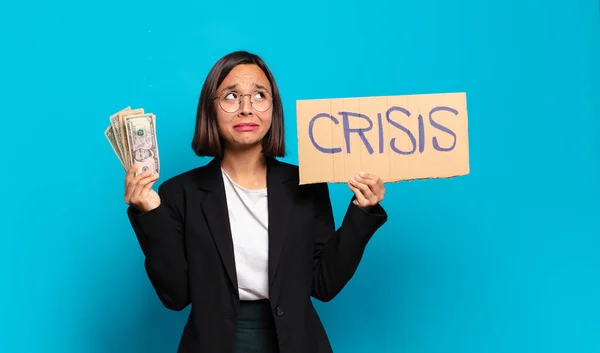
(230, 87)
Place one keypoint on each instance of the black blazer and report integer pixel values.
(189, 255)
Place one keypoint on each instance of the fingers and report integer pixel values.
(371, 182)
(360, 198)
(368, 176)
(130, 173)
(368, 189)
(131, 182)
(371, 179)
(142, 183)
(364, 187)
(374, 182)
(136, 194)
(146, 189)
(136, 185)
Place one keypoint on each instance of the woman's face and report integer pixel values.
(247, 126)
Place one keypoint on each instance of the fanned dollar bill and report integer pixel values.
(110, 135)
(140, 137)
(132, 136)
(123, 138)
(116, 129)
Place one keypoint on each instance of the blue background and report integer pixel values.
(506, 259)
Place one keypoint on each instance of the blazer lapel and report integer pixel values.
(281, 191)
(214, 207)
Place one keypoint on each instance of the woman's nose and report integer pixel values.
(245, 105)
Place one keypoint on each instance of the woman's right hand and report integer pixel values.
(139, 192)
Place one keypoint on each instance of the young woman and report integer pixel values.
(239, 239)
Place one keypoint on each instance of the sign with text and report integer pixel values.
(395, 137)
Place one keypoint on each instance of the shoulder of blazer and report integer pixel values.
(175, 187)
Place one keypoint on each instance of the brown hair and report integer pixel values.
(206, 141)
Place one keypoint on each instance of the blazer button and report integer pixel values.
(279, 311)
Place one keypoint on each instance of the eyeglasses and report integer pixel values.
(231, 102)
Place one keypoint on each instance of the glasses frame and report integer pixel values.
(241, 97)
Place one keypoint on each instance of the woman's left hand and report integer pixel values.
(368, 189)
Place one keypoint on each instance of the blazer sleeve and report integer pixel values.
(338, 252)
(160, 233)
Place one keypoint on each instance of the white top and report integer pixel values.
(249, 220)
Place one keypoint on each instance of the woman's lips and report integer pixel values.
(245, 127)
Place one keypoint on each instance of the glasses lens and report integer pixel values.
(261, 101)
(230, 101)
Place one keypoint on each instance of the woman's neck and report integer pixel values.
(246, 167)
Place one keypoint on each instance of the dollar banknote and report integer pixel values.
(132, 136)
(122, 138)
(110, 135)
(116, 130)
(140, 137)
